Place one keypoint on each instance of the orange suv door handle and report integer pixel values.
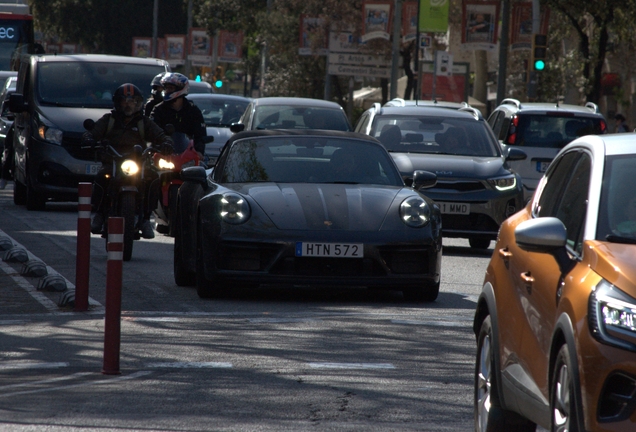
(505, 253)
(527, 278)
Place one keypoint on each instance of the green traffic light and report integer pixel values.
(539, 65)
(218, 83)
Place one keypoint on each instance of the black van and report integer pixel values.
(55, 94)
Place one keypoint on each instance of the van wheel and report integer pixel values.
(34, 200)
(479, 243)
(19, 193)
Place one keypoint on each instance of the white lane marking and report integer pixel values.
(281, 320)
(459, 323)
(151, 319)
(23, 283)
(46, 381)
(327, 365)
(83, 384)
(188, 365)
(31, 365)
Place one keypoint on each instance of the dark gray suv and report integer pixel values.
(541, 130)
(476, 190)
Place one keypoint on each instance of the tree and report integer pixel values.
(107, 26)
(597, 24)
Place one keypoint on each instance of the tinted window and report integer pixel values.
(308, 160)
(443, 135)
(292, 117)
(551, 187)
(553, 131)
(88, 84)
(220, 112)
(617, 215)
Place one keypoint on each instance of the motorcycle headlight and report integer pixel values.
(164, 164)
(129, 167)
(234, 209)
(612, 316)
(414, 212)
(47, 130)
(503, 183)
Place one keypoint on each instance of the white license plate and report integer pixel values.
(92, 168)
(542, 166)
(454, 208)
(332, 250)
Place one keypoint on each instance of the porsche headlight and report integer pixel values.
(234, 209)
(165, 164)
(129, 167)
(414, 212)
(612, 316)
(503, 183)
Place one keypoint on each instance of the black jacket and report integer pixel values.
(188, 120)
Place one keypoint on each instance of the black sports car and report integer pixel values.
(306, 207)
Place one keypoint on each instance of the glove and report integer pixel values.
(167, 149)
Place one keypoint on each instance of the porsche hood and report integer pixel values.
(323, 206)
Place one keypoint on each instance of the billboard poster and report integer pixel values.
(521, 25)
(434, 16)
(199, 42)
(142, 47)
(409, 21)
(313, 40)
(230, 46)
(479, 25)
(376, 20)
(452, 88)
(175, 49)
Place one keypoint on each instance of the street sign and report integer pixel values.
(366, 71)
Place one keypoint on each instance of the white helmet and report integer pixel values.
(178, 80)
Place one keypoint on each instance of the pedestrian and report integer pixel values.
(621, 123)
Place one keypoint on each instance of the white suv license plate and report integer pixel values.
(542, 166)
(454, 208)
(331, 250)
(92, 169)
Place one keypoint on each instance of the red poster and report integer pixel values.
(521, 25)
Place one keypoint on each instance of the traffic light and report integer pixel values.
(218, 77)
(539, 50)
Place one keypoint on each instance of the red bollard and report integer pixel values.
(82, 263)
(112, 324)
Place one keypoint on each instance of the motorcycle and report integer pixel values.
(126, 191)
(169, 169)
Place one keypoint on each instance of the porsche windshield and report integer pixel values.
(444, 135)
(89, 84)
(308, 159)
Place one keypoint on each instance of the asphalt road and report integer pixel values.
(273, 359)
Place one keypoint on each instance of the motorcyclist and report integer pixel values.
(178, 111)
(156, 96)
(124, 127)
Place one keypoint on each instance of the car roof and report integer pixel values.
(296, 101)
(425, 103)
(517, 106)
(217, 96)
(429, 111)
(104, 58)
(303, 132)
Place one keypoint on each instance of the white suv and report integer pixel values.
(541, 130)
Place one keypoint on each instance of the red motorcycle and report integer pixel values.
(169, 170)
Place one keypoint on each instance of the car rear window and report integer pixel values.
(552, 131)
(293, 117)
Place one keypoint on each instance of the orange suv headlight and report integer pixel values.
(612, 316)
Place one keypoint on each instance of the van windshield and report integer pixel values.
(90, 84)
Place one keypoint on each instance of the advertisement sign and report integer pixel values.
(453, 88)
(434, 16)
(175, 53)
(521, 25)
(142, 47)
(230, 46)
(409, 21)
(313, 40)
(479, 25)
(376, 20)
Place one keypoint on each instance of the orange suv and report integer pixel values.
(556, 319)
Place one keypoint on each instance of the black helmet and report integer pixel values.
(156, 87)
(126, 92)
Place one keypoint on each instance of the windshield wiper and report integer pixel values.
(620, 239)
